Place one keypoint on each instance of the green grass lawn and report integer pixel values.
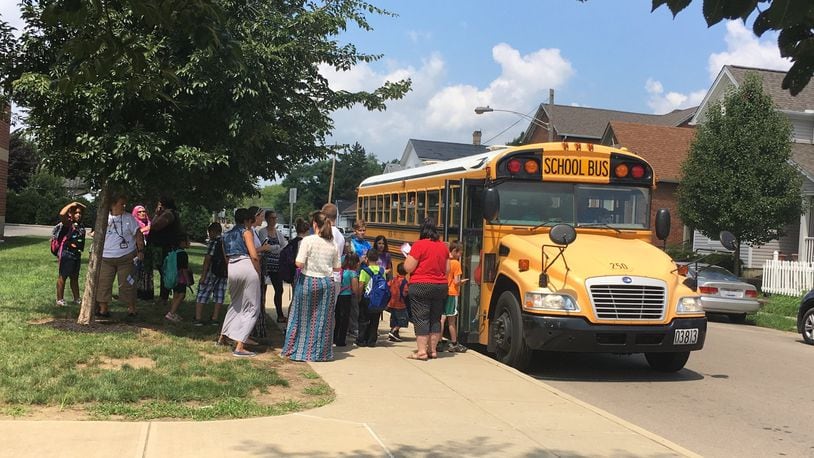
(134, 370)
(779, 312)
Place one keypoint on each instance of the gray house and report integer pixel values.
(425, 152)
(798, 241)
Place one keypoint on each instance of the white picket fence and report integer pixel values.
(789, 278)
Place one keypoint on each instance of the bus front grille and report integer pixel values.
(628, 302)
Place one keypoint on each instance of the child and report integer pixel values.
(368, 320)
(213, 278)
(398, 304)
(454, 281)
(347, 292)
(184, 279)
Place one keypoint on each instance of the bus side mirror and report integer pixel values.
(491, 204)
(662, 224)
(563, 234)
(727, 240)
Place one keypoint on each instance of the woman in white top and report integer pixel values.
(309, 336)
(123, 243)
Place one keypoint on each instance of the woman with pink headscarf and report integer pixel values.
(144, 280)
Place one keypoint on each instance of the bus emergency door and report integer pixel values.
(463, 221)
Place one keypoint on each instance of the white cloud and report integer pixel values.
(662, 103)
(744, 48)
(435, 110)
(417, 36)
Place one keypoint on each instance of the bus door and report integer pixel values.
(463, 221)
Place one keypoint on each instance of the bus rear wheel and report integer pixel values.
(507, 333)
(667, 362)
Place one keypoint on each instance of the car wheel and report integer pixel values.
(808, 326)
(507, 333)
(667, 362)
(737, 317)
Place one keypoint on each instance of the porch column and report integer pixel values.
(802, 251)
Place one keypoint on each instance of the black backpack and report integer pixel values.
(288, 270)
(218, 267)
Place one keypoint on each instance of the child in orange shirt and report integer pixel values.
(398, 304)
(454, 281)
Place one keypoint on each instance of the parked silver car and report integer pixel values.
(723, 292)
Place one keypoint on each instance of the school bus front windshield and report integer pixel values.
(546, 204)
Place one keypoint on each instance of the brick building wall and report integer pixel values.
(664, 197)
(4, 148)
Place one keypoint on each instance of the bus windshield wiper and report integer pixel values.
(547, 223)
(605, 225)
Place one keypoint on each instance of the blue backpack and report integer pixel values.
(378, 291)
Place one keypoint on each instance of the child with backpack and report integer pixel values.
(348, 291)
(373, 302)
(399, 317)
(183, 278)
(213, 278)
(67, 244)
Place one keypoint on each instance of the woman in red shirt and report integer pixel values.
(428, 264)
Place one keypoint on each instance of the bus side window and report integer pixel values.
(432, 205)
(394, 208)
(411, 208)
(421, 207)
(380, 209)
(455, 206)
(385, 209)
(366, 208)
(403, 208)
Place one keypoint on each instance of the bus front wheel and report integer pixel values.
(507, 333)
(667, 362)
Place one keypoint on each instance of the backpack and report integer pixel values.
(218, 267)
(56, 240)
(170, 270)
(378, 291)
(288, 270)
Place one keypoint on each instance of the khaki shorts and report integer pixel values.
(123, 269)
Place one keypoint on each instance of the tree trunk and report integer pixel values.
(92, 279)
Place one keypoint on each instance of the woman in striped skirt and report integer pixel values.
(309, 336)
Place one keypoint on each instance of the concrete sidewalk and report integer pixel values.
(461, 404)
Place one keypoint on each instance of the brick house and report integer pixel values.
(5, 131)
(665, 148)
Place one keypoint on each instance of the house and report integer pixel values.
(798, 240)
(5, 134)
(424, 152)
(665, 148)
(588, 125)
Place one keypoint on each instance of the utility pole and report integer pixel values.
(331, 185)
(550, 115)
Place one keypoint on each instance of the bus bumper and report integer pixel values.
(576, 334)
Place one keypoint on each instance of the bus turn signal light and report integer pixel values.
(621, 171)
(513, 166)
(531, 167)
(522, 265)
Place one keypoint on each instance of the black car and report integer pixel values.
(805, 318)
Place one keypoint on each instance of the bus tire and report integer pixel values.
(667, 362)
(507, 333)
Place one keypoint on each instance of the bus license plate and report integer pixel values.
(685, 336)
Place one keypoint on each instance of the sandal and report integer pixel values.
(416, 357)
(433, 355)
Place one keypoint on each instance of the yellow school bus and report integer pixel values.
(557, 247)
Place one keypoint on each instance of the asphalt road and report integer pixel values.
(747, 393)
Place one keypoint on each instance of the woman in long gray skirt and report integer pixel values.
(244, 283)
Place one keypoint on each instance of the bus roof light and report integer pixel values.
(637, 171)
(621, 170)
(513, 166)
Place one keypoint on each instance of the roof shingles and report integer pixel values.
(664, 147)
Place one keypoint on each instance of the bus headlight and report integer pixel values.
(689, 305)
(547, 301)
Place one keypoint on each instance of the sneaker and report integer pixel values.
(77, 301)
(198, 323)
(61, 303)
(396, 333)
(393, 337)
(244, 354)
(172, 317)
(457, 348)
(214, 323)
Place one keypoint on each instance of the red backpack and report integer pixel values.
(56, 240)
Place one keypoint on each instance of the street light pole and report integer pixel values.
(533, 120)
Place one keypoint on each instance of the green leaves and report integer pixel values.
(737, 176)
(794, 19)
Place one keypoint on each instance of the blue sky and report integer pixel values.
(461, 54)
